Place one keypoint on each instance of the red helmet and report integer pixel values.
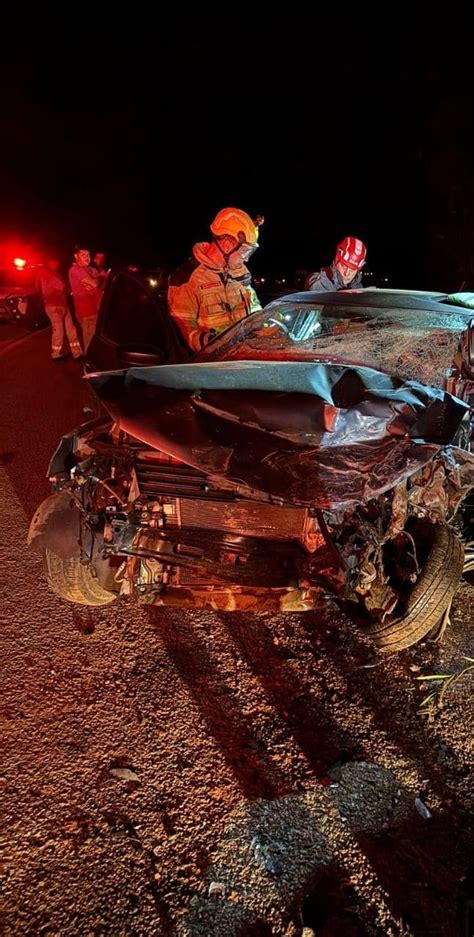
(352, 253)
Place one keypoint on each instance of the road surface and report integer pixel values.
(170, 772)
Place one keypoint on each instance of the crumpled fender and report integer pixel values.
(56, 526)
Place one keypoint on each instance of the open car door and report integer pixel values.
(134, 327)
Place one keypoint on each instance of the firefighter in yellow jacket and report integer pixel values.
(212, 290)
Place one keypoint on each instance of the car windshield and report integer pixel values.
(414, 343)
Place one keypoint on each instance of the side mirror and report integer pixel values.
(140, 357)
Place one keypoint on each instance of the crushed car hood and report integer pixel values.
(318, 434)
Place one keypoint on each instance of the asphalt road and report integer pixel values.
(11, 332)
(213, 774)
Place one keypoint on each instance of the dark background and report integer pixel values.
(130, 135)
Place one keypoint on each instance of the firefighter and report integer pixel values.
(53, 289)
(345, 270)
(212, 290)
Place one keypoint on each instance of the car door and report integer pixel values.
(134, 326)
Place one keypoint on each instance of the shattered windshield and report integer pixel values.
(416, 344)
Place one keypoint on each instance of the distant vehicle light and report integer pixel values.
(19, 263)
(153, 282)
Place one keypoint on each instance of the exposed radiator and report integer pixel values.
(191, 501)
(161, 479)
(245, 517)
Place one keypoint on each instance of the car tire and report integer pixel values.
(73, 581)
(429, 598)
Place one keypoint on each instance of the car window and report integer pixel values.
(133, 315)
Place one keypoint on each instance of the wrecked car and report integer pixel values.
(319, 447)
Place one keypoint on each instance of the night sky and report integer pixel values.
(131, 138)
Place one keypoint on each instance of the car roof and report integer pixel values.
(399, 299)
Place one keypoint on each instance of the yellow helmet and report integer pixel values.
(237, 224)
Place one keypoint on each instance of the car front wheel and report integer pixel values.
(73, 581)
(423, 606)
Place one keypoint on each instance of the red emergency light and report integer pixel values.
(19, 263)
